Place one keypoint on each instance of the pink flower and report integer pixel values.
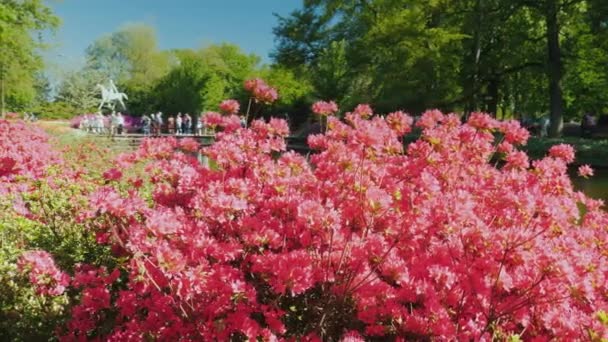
(430, 119)
(482, 121)
(261, 91)
(112, 174)
(585, 171)
(212, 119)
(189, 145)
(514, 133)
(363, 110)
(43, 274)
(517, 160)
(400, 122)
(564, 152)
(230, 106)
(324, 108)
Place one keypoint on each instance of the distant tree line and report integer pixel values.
(508, 57)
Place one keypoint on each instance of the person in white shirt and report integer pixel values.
(120, 123)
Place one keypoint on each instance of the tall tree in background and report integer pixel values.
(20, 20)
(504, 57)
(131, 57)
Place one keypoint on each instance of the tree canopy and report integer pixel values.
(20, 61)
(514, 57)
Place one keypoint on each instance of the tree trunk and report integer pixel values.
(493, 97)
(473, 102)
(554, 70)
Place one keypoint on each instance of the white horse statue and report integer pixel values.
(109, 96)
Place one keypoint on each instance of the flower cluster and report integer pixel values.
(230, 106)
(324, 108)
(261, 91)
(43, 274)
(367, 239)
(24, 152)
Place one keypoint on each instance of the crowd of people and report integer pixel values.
(179, 125)
(97, 123)
(153, 124)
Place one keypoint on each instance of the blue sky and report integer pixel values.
(178, 23)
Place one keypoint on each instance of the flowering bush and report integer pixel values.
(453, 237)
(365, 240)
(42, 193)
(24, 152)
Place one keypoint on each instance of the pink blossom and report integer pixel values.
(112, 174)
(482, 121)
(230, 106)
(261, 91)
(585, 171)
(400, 122)
(517, 160)
(43, 274)
(363, 110)
(564, 152)
(212, 119)
(324, 108)
(514, 133)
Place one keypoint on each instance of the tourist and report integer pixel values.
(587, 125)
(120, 123)
(243, 121)
(113, 123)
(159, 121)
(98, 125)
(84, 123)
(171, 125)
(146, 122)
(199, 125)
(153, 123)
(545, 122)
(178, 124)
(187, 124)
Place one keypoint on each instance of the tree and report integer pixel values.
(19, 61)
(131, 57)
(201, 79)
(78, 89)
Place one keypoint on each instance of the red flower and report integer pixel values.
(112, 174)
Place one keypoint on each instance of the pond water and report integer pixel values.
(595, 187)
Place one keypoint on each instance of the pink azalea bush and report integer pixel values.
(367, 240)
(456, 236)
(24, 152)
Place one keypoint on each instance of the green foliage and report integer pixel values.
(56, 110)
(19, 58)
(79, 92)
(24, 315)
(487, 55)
(52, 225)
